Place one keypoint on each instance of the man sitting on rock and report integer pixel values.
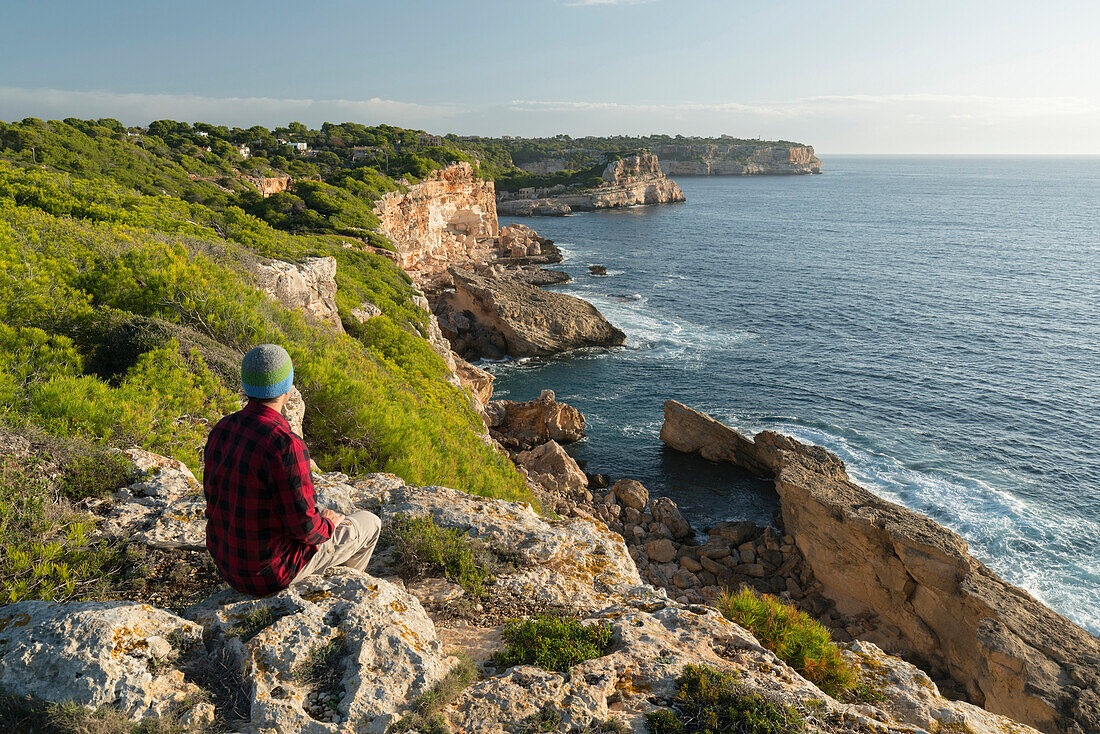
(262, 525)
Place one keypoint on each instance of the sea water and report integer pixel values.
(934, 321)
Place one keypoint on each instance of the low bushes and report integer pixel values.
(422, 549)
(709, 702)
(48, 549)
(84, 263)
(552, 642)
(800, 641)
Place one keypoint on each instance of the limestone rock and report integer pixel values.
(94, 654)
(631, 180)
(572, 563)
(690, 431)
(532, 422)
(533, 208)
(308, 286)
(163, 509)
(515, 319)
(661, 550)
(665, 511)
(476, 380)
(907, 695)
(550, 458)
(736, 159)
(930, 597)
(365, 312)
(631, 493)
(270, 185)
(736, 532)
(449, 218)
(655, 640)
(295, 410)
(389, 650)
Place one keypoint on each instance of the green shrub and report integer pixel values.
(423, 549)
(709, 702)
(96, 473)
(48, 548)
(552, 642)
(88, 265)
(799, 640)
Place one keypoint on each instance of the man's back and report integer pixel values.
(262, 525)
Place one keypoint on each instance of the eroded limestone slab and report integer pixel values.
(390, 650)
(95, 654)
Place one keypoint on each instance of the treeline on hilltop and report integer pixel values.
(128, 294)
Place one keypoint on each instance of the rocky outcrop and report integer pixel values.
(494, 317)
(518, 244)
(933, 601)
(737, 159)
(269, 185)
(526, 424)
(383, 648)
(629, 181)
(97, 653)
(549, 465)
(309, 286)
(386, 651)
(450, 218)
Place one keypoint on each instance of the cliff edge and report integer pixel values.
(632, 180)
(934, 601)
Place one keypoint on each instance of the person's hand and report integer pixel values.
(332, 516)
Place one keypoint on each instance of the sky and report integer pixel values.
(846, 76)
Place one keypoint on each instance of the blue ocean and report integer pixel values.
(934, 321)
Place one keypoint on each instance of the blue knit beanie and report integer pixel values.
(266, 372)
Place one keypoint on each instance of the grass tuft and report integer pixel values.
(427, 717)
(552, 642)
(424, 549)
(320, 664)
(710, 702)
(799, 640)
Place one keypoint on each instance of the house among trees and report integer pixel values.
(244, 151)
(364, 151)
(424, 139)
(300, 147)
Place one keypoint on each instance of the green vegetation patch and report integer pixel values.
(87, 264)
(710, 702)
(424, 549)
(552, 642)
(321, 662)
(796, 638)
(427, 717)
(48, 551)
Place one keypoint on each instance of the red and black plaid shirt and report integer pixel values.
(262, 524)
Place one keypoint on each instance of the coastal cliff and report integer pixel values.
(449, 218)
(628, 181)
(737, 160)
(933, 601)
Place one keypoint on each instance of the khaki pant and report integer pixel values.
(351, 545)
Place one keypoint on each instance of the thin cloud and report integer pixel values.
(585, 3)
(133, 108)
(962, 106)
